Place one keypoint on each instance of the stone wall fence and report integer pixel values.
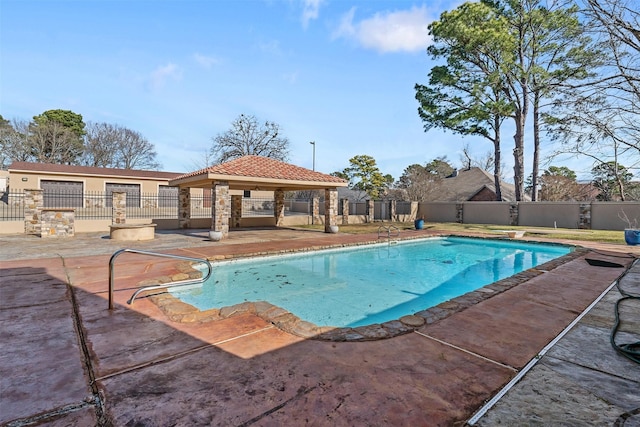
(573, 215)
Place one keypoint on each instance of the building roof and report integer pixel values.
(466, 183)
(54, 169)
(259, 173)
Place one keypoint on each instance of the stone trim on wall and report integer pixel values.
(370, 211)
(184, 208)
(345, 211)
(513, 213)
(460, 213)
(119, 207)
(315, 210)
(33, 203)
(585, 216)
(236, 210)
(57, 223)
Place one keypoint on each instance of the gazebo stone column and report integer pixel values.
(278, 212)
(330, 209)
(370, 212)
(315, 210)
(345, 211)
(236, 210)
(220, 207)
(184, 208)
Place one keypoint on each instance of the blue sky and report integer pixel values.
(340, 73)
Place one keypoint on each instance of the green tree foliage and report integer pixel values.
(558, 183)
(611, 178)
(6, 142)
(466, 95)
(56, 136)
(501, 57)
(248, 137)
(560, 53)
(363, 175)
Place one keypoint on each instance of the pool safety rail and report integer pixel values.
(203, 279)
(390, 229)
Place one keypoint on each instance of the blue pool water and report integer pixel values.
(372, 284)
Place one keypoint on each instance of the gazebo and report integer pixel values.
(254, 173)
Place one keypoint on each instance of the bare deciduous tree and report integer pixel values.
(248, 137)
(112, 146)
(135, 152)
(53, 142)
(601, 118)
(13, 142)
(100, 145)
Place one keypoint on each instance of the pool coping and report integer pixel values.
(181, 312)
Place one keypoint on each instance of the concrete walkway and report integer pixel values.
(67, 360)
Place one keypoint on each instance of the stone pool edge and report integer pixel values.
(181, 312)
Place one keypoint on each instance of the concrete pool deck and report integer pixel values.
(67, 360)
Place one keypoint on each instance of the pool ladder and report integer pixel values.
(389, 230)
(160, 286)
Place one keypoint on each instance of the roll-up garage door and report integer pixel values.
(61, 194)
(132, 190)
(167, 196)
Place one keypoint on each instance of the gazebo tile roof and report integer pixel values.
(265, 167)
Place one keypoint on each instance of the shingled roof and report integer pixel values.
(51, 168)
(258, 172)
(466, 183)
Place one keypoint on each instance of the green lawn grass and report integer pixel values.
(604, 236)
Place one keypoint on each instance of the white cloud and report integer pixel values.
(205, 61)
(399, 31)
(310, 10)
(290, 78)
(160, 75)
(271, 47)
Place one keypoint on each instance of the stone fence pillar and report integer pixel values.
(33, 203)
(345, 211)
(236, 210)
(315, 210)
(513, 213)
(184, 208)
(370, 211)
(585, 216)
(119, 207)
(460, 213)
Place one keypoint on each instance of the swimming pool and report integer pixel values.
(352, 287)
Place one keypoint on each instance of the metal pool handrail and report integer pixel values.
(163, 285)
(388, 230)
